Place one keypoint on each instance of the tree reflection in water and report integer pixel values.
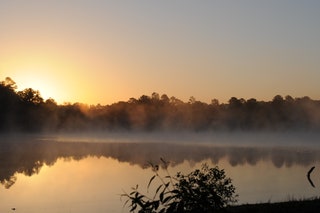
(28, 156)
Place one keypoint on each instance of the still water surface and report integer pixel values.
(69, 174)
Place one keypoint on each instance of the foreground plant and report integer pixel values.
(203, 190)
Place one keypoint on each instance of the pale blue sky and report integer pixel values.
(105, 51)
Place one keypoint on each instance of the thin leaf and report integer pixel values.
(167, 199)
(162, 160)
(151, 179)
(125, 203)
(131, 193)
(133, 208)
(139, 197)
(167, 184)
(159, 187)
(161, 196)
(175, 191)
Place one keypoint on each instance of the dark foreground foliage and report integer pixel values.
(27, 111)
(296, 206)
(203, 190)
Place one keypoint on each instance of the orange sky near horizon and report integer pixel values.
(105, 51)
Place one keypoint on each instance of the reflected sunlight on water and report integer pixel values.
(82, 177)
(89, 185)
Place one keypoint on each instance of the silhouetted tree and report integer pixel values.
(9, 83)
(144, 99)
(30, 96)
(165, 99)
(215, 102)
(155, 96)
(236, 116)
(27, 111)
(9, 105)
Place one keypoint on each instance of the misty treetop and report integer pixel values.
(27, 111)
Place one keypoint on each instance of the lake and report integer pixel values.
(88, 172)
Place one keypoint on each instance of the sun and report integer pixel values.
(38, 80)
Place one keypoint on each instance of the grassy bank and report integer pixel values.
(295, 206)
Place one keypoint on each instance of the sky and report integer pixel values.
(101, 51)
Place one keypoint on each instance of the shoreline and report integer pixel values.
(311, 205)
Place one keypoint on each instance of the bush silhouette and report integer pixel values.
(202, 190)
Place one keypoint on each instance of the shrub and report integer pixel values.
(203, 190)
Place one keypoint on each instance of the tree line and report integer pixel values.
(27, 111)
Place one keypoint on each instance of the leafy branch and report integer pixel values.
(203, 190)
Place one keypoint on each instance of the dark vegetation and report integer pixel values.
(294, 206)
(203, 190)
(27, 111)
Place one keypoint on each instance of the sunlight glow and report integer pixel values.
(109, 52)
(38, 81)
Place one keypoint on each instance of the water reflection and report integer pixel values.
(28, 156)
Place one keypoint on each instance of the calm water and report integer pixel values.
(87, 174)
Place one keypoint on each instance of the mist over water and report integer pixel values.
(26, 154)
(262, 165)
(223, 138)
